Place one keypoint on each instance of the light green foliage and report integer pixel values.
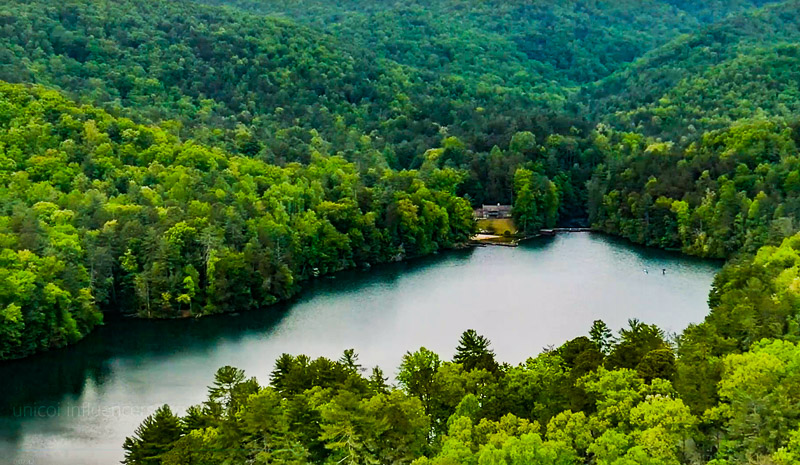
(759, 392)
(536, 201)
(572, 429)
(417, 373)
(162, 228)
(637, 420)
(46, 302)
(345, 135)
(751, 299)
(731, 190)
(791, 452)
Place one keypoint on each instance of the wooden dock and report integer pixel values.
(554, 231)
(483, 240)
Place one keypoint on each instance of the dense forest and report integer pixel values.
(101, 213)
(185, 158)
(734, 190)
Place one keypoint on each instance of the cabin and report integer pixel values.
(493, 211)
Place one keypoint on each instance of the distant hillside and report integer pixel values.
(742, 67)
(484, 88)
(710, 11)
(208, 68)
(262, 86)
(682, 67)
(380, 82)
(570, 42)
(761, 83)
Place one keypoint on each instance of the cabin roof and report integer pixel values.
(496, 208)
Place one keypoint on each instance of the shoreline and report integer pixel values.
(112, 317)
(485, 240)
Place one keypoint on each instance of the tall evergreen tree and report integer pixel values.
(153, 438)
(474, 353)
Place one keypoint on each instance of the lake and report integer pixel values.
(77, 405)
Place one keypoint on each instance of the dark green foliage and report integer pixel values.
(474, 353)
(711, 53)
(377, 381)
(576, 42)
(153, 438)
(581, 356)
(601, 336)
(659, 363)
(270, 88)
(350, 360)
(635, 344)
(293, 375)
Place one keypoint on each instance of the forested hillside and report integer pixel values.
(341, 87)
(739, 68)
(270, 86)
(258, 85)
(176, 159)
(571, 42)
(100, 213)
(511, 43)
(734, 190)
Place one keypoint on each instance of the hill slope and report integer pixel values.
(741, 67)
(570, 42)
(98, 212)
(257, 85)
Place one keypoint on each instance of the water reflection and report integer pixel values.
(524, 298)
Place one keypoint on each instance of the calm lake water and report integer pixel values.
(75, 406)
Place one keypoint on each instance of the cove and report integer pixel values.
(75, 406)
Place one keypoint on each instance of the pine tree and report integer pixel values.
(377, 381)
(230, 389)
(473, 352)
(350, 360)
(153, 438)
(602, 336)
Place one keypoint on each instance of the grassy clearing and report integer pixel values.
(498, 226)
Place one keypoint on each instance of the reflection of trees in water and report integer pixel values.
(35, 387)
(644, 252)
(52, 378)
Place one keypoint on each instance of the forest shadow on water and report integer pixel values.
(76, 405)
(44, 380)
